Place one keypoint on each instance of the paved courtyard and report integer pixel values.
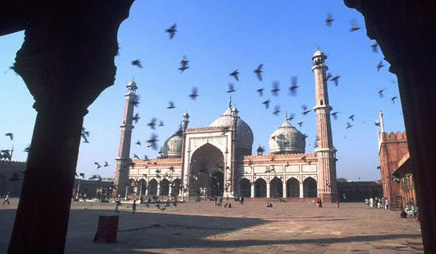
(250, 228)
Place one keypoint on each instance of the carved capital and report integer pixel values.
(69, 49)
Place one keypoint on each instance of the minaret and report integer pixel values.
(123, 159)
(382, 129)
(326, 152)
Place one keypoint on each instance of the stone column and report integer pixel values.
(158, 189)
(146, 190)
(301, 190)
(170, 190)
(284, 190)
(66, 61)
(252, 190)
(268, 191)
(403, 31)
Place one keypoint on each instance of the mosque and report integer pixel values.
(217, 160)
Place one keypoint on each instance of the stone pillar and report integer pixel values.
(284, 190)
(409, 48)
(301, 190)
(170, 191)
(66, 61)
(268, 190)
(158, 189)
(252, 190)
(146, 190)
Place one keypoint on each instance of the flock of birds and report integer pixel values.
(275, 89)
(258, 71)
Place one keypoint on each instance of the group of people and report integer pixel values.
(410, 210)
(376, 202)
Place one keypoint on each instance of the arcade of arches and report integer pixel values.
(275, 188)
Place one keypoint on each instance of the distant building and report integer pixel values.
(11, 177)
(92, 188)
(359, 191)
(395, 168)
(217, 160)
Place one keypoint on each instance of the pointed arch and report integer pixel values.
(292, 188)
(245, 188)
(276, 188)
(260, 188)
(310, 189)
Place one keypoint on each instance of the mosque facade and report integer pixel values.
(217, 160)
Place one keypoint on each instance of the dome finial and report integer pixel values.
(230, 101)
(286, 116)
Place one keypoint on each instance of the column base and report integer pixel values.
(328, 197)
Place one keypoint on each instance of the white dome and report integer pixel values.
(287, 139)
(244, 134)
(318, 53)
(172, 147)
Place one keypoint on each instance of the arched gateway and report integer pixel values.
(206, 175)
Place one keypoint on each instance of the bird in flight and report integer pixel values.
(276, 89)
(349, 125)
(393, 99)
(329, 20)
(136, 156)
(380, 93)
(231, 88)
(266, 103)
(152, 141)
(335, 115)
(291, 117)
(380, 65)
(194, 93)
(184, 64)
(10, 135)
(335, 79)
(276, 110)
(258, 72)
(351, 117)
(97, 164)
(293, 88)
(354, 26)
(235, 74)
(85, 135)
(300, 124)
(329, 76)
(171, 105)
(137, 62)
(135, 101)
(172, 31)
(152, 123)
(377, 123)
(106, 164)
(136, 118)
(305, 110)
(138, 143)
(161, 124)
(374, 47)
(260, 91)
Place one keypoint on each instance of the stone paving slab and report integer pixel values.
(250, 228)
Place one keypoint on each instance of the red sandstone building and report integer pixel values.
(395, 168)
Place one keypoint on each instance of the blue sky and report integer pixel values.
(219, 37)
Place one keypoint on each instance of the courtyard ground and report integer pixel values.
(290, 227)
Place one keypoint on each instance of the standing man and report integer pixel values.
(6, 199)
(134, 206)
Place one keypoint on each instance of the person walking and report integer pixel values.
(134, 206)
(6, 199)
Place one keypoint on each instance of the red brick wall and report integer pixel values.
(392, 149)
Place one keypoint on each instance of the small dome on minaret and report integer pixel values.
(132, 87)
(319, 57)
